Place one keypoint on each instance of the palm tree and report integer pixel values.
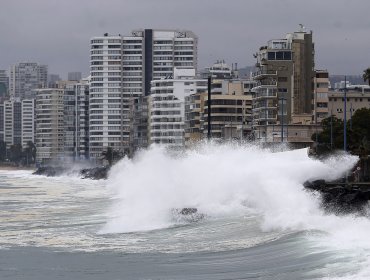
(111, 155)
(366, 75)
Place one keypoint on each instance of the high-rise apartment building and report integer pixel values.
(2, 123)
(28, 121)
(52, 80)
(74, 76)
(12, 122)
(122, 68)
(4, 83)
(18, 122)
(25, 77)
(76, 120)
(49, 125)
(284, 79)
(167, 106)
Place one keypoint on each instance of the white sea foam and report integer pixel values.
(219, 180)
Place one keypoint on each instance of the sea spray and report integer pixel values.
(218, 180)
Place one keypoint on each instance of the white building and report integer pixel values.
(18, 119)
(105, 99)
(25, 77)
(2, 123)
(12, 122)
(28, 121)
(167, 106)
(122, 68)
(76, 120)
(49, 125)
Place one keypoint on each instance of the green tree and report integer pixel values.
(111, 155)
(15, 153)
(359, 135)
(366, 75)
(324, 137)
(30, 153)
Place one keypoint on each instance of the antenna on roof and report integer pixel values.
(301, 27)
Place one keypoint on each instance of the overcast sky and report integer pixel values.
(57, 32)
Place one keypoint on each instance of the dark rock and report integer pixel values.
(188, 211)
(340, 198)
(187, 215)
(49, 171)
(96, 173)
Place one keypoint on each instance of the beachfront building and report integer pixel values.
(231, 108)
(122, 68)
(25, 77)
(167, 106)
(283, 92)
(28, 122)
(320, 96)
(17, 122)
(49, 125)
(76, 120)
(74, 76)
(12, 122)
(4, 84)
(2, 123)
(356, 99)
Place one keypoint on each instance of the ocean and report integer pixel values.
(254, 221)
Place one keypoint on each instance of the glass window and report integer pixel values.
(271, 55)
(287, 56)
(279, 55)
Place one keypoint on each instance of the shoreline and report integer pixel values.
(15, 168)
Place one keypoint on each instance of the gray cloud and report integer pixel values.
(57, 33)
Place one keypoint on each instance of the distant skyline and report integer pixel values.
(57, 33)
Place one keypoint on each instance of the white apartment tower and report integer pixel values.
(12, 122)
(167, 107)
(25, 77)
(122, 68)
(18, 122)
(28, 121)
(49, 125)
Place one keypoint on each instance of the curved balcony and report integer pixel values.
(263, 73)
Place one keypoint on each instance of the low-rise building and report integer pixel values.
(356, 99)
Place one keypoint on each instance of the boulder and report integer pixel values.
(49, 171)
(95, 173)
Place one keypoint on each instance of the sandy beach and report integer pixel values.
(5, 167)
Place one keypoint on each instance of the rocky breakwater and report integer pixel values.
(95, 173)
(50, 171)
(342, 197)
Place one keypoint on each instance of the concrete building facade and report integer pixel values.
(167, 106)
(320, 96)
(356, 99)
(12, 122)
(122, 68)
(49, 125)
(74, 76)
(25, 77)
(231, 110)
(284, 80)
(28, 122)
(4, 84)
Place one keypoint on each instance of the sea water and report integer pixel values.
(257, 219)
